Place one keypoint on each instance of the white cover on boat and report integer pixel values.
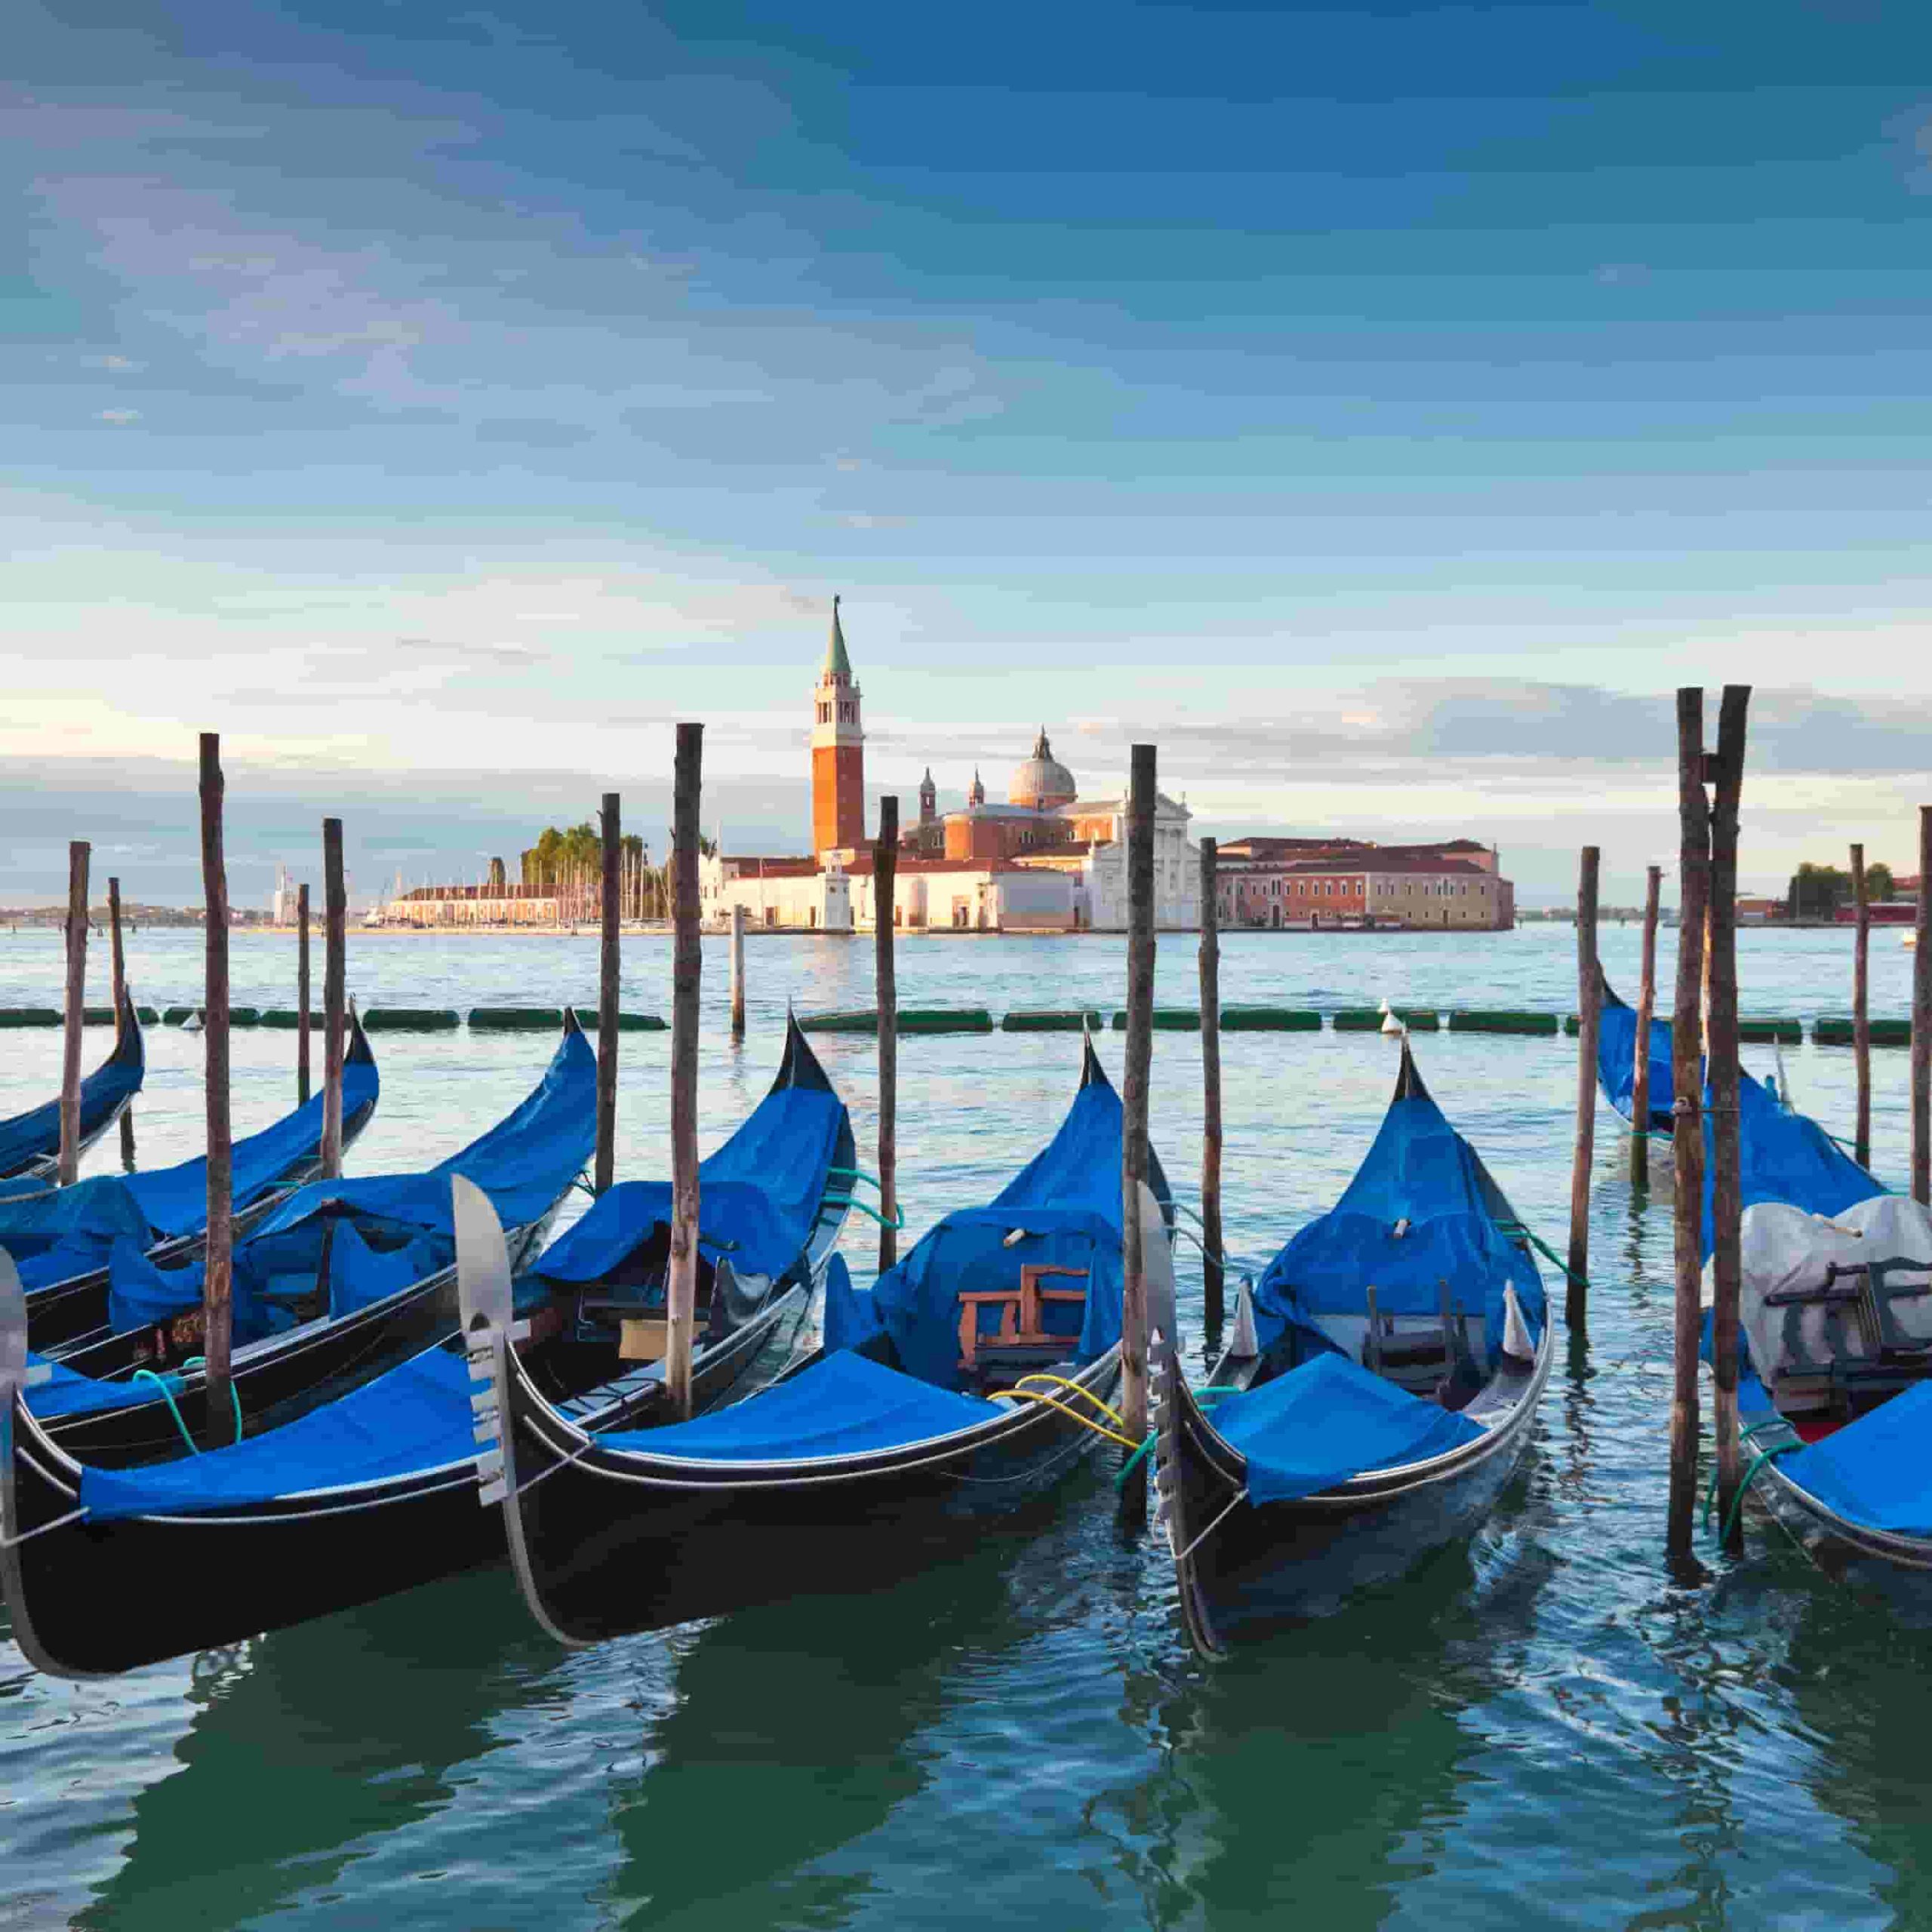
(1784, 1247)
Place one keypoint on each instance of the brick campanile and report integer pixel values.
(839, 752)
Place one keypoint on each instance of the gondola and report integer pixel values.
(1616, 1060)
(343, 1279)
(61, 1242)
(1383, 1383)
(376, 1491)
(965, 1383)
(30, 1143)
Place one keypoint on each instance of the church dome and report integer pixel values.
(1042, 781)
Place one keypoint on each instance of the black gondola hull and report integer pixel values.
(90, 1600)
(1245, 1569)
(620, 1544)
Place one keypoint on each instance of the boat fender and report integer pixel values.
(1401, 1227)
(1516, 1343)
(1014, 1237)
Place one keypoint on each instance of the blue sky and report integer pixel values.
(1379, 407)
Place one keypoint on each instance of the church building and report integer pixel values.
(1046, 860)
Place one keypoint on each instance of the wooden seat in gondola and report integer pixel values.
(1857, 1299)
(1021, 1338)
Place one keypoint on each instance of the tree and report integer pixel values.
(1817, 892)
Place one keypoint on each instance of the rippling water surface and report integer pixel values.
(1538, 1728)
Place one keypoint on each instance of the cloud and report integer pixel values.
(118, 416)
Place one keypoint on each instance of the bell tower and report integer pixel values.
(839, 752)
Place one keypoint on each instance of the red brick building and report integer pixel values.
(839, 752)
(1309, 883)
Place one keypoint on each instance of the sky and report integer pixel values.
(1382, 409)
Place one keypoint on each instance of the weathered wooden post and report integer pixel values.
(335, 976)
(302, 995)
(217, 1278)
(885, 880)
(1133, 1111)
(121, 1013)
(1921, 1021)
(1721, 1053)
(1212, 1282)
(610, 965)
(1687, 1057)
(1647, 1007)
(737, 970)
(76, 1015)
(687, 962)
(1589, 1008)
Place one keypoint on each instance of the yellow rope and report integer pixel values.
(1072, 1415)
(1066, 1382)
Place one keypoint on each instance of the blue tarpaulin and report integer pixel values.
(842, 1405)
(1616, 1061)
(69, 1231)
(1063, 1209)
(1783, 1156)
(417, 1417)
(31, 1137)
(1876, 1471)
(1328, 1420)
(66, 1392)
(523, 1164)
(1420, 1211)
(175, 1200)
(760, 1193)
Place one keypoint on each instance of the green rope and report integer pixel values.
(896, 1223)
(1765, 1456)
(1127, 1468)
(858, 1174)
(161, 1382)
(234, 1394)
(1542, 1247)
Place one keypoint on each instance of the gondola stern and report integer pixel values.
(799, 1066)
(1180, 1475)
(129, 1040)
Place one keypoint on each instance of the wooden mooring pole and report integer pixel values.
(1861, 1014)
(217, 1278)
(121, 1013)
(1133, 1112)
(1589, 1008)
(1647, 1007)
(302, 995)
(75, 1015)
(1212, 1267)
(885, 879)
(1921, 1021)
(737, 970)
(335, 977)
(609, 964)
(1721, 1053)
(1686, 1053)
(688, 963)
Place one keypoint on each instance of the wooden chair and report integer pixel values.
(1021, 1313)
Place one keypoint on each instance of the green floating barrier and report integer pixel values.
(286, 1018)
(866, 1022)
(175, 1015)
(1166, 1020)
(516, 1019)
(943, 1019)
(92, 1015)
(244, 1016)
(1837, 1032)
(412, 1019)
(627, 1022)
(1368, 1019)
(1043, 1021)
(147, 1015)
(1269, 1019)
(1784, 1033)
(1544, 1023)
(29, 1016)
(1571, 1024)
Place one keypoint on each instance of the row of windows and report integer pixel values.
(848, 714)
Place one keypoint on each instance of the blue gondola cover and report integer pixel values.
(1420, 1211)
(416, 1417)
(1328, 1420)
(760, 1193)
(1616, 1062)
(35, 1135)
(1784, 1156)
(1876, 1471)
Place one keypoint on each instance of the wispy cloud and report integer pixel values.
(118, 416)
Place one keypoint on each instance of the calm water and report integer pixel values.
(1539, 1729)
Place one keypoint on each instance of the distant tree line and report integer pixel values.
(568, 860)
(1817, 892)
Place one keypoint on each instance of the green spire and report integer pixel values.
(837, 664)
